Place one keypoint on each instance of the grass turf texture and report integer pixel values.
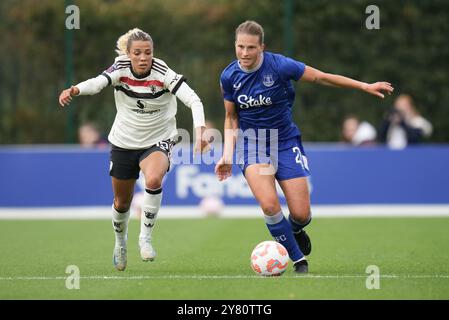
(209, 259)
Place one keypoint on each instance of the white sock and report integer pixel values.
(120, 225)
(150, 207)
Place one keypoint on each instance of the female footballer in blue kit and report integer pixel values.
(258, 98)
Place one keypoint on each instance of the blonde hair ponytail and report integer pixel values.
(125, 40)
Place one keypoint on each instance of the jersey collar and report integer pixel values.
(146, 74)
(255, 68)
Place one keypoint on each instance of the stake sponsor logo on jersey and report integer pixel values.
(249, 101)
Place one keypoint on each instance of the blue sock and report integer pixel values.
(281, 231)
(297, 226)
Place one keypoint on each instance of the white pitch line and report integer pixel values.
(231, 211)
(220, 277)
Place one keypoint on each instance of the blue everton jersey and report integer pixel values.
(264, 96)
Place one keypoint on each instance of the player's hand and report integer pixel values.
(223, 170)
(66, 96)
(201, 146)
(379, 89)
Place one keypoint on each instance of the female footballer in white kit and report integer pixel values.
(143, 133)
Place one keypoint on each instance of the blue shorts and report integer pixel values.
(287, 157)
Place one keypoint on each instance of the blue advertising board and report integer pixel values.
(54, 176)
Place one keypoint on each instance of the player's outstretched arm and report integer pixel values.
(88, 87)
(316, 76)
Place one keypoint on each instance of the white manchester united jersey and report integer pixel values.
(146, 105)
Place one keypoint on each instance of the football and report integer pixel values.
(269, 258)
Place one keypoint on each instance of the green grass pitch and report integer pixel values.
(209, 259)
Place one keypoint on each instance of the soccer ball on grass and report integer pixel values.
(269, 258)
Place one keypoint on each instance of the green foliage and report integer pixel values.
(196, 38)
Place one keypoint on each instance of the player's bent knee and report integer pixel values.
(270, 208)
(302, 216)
(153, 182)
(121, 205)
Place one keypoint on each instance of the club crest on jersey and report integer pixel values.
(268, 80)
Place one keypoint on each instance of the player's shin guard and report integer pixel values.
(296, 225)
(281, 231)
(120, 225)
(150, 207)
